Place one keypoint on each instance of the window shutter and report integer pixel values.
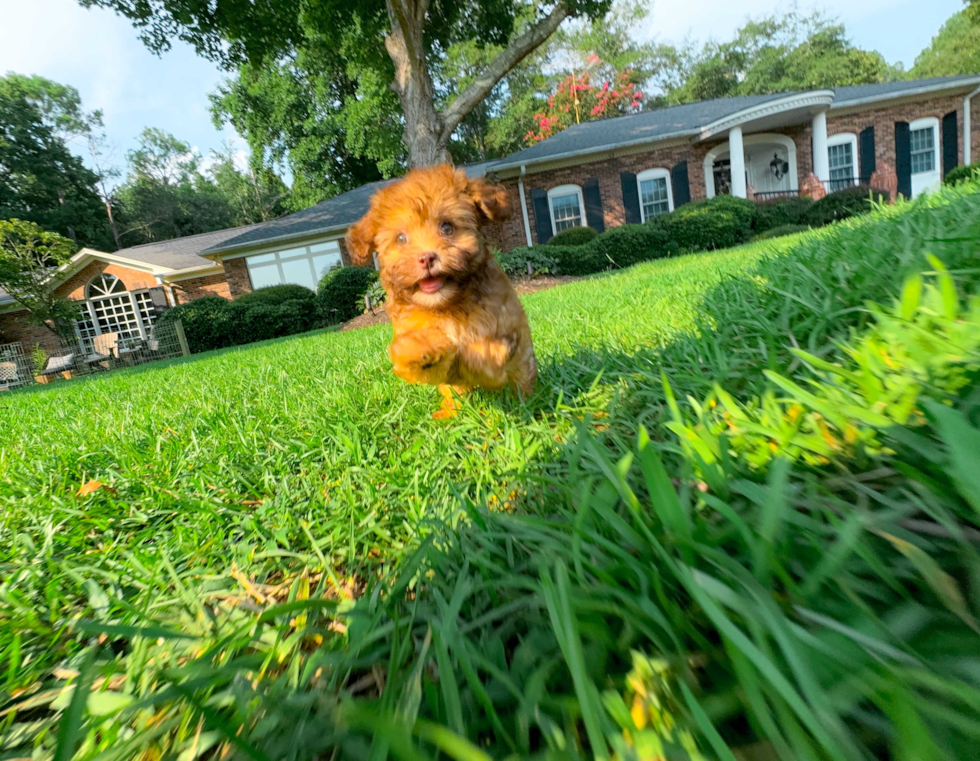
(680, 184)
(542, 214)
(951, 147)
(631, 198)
(867, 157)
(903, 158)
(593, 205)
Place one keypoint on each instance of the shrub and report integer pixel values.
(515, 262)
(850, 202)
(203, 323)
(376, 295)
(778, 232)
(277, 294)
(341, 293)
(247, 322)
(720, 222)
(627, 245)
(573, 236)
(580, 260)
(781, 212)
(962, 173)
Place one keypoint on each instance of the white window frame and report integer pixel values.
(280, 259)
(842, 138)
(923, 182)
(654, 174)
(142, 315)
(567, 190)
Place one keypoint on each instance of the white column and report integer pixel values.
(736, 153)
(821, 162)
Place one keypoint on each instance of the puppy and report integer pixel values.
(458, 323)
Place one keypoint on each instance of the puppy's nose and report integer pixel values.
(428, 259)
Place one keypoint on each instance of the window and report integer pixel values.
(110, 308)
(566, 206)
(923, 143)
(656, 195)
(305, 265)
(104, 285)
(842, 159)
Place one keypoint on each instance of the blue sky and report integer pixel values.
(99, 54)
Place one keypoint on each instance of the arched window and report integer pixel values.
(656, 195)
(104, 285)
(567, 207)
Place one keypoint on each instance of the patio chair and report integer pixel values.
(9, 377)
(104, 349)
(58, 365)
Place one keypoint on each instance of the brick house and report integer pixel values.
(899, 136)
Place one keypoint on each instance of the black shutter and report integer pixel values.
(542, 214)
(631, 198)
(159, 299)
(903, 158)
(867, 148)
(951, 148)
(593, 205)
(680, 184)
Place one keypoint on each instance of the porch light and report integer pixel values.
(778, 167)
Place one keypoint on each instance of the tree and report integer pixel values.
(415, 34)
(577, 100)
(28, 258)
(40, 179)
(254, 195)
(774, 54)
(955, 50)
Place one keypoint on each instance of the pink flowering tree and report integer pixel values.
(577, 99)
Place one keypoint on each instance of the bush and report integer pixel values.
(247, 322)
(341, 293)
(573, 236)
(962, 174)
(781, 212)
(580, 260)
(203, 322)
(277, 294)
(627, 245)
(720, 222)
(778, 232)
(515, 262)
(850, 202)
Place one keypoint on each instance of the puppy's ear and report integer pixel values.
(360, 239)
(492, 201)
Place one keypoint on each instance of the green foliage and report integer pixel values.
(39, 359)
(953, 51)
(43, 182)
(781, 212)
(626, 245)
(781, 230)
(720, 222)
(277, 294)
(201, 319)
(376, 295)
(515, 262)
(962, 174)
(850, 202)
(340, 296)
(28, 255)
(573, 236)
(555, 579)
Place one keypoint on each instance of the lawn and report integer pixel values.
(189, 537)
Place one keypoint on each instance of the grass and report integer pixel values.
(244, 495)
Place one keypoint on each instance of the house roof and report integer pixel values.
(182, 253)
(848, 96)
(334, 214)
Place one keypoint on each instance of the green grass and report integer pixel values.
(274, 474)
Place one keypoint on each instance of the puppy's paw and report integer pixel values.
(445, 414)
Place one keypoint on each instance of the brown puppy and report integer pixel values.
(458, 323)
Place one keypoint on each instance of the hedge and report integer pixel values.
(515, 262)
(961, 173)
(721, 222)
(277, 294)
(781, 212)
(199, 318)
(573, 236)
(843, 204)
(778, 232)
(340, 296)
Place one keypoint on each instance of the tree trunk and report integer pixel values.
(112, 224)
(413, 85)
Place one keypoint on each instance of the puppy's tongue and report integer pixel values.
(430, 284)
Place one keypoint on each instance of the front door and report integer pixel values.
(722, 171)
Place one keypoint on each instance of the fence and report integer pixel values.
(104, 353)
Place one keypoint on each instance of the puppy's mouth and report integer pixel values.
(431, 285)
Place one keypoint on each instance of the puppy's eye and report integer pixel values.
(446, 228)
(402, 239)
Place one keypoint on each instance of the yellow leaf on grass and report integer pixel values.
(92, 486)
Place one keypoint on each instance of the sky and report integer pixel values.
(99, 53)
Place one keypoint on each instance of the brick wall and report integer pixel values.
(236, 273)
(14, 328)
(607, 171)
(198, 287)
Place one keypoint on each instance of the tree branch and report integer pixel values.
(506, 60)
